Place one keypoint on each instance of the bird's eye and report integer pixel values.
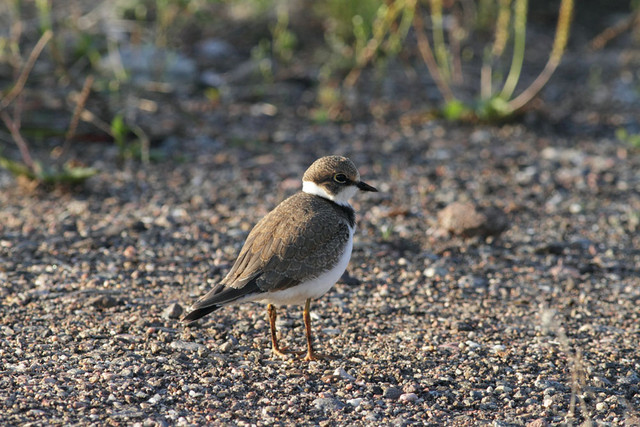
(340, 178)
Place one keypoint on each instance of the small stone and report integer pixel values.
(341, 373)
(408, 397)
(601, 382)
(184, 345)
(631, 379)
(374, 389)
(392, 393)
(371, 417)
(465, 326)
(130, 252)
(411, 388)
(553, 248)
(227, 346)
(328, 404)
(155, 399)
(475, 394)
(107, 376)
(503, 389)
(103, 301)
(471, 282)
(355, 402)
(431, 272)
(601, 406)
(173, 311)
(468, 219)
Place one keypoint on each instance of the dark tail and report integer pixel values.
(199, 312)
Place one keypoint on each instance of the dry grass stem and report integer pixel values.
(26, 70)
(610, 33)
(14, 129)
(80, 103)
(427, 56)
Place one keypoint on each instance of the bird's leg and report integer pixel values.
(311, 355)
(275, 348)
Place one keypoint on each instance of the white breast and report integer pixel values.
(313, 288)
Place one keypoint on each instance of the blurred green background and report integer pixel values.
(132, 73)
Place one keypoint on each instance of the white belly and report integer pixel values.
(313, 288)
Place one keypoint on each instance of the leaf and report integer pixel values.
(456, 110)
(69, 174)
(16, 168)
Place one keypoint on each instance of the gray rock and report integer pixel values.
(103, 301)
(185, 345)
(328, 404)
(469, 219)
(173, 311)
(392, 393)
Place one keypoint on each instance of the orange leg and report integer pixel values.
(311, 355)
(275, 348)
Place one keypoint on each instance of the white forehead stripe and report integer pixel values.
(342, 198)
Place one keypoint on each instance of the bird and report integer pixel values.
(297, 252)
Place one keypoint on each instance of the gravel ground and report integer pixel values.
(536, 326)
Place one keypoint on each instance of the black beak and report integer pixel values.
(363, 186)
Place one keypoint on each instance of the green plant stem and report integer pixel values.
(386, 16)
(559, 45)
(520, 29)
(500, 39)
(145, 143)
(438, 39)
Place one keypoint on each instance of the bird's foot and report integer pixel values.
(284, 352)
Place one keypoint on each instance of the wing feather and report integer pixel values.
(302, 236)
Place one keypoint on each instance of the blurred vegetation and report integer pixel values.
(105, 64)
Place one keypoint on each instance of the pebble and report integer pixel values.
(426, 329)
(431, 272)
(173, 311)
(468, 219)
(548, 402)
(476, 395)
(341, 373)
(186, 345)
(392, 393)
(227, 346)
(472, 344)
(328, 404)
(408, 397)
(103, 301)
(355, 402)
(472, 282)
(601, 406)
